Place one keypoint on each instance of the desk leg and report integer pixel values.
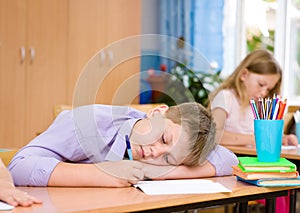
(271, 205)
(242, 207)
(293, 200)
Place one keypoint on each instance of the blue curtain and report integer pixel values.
(199, 22)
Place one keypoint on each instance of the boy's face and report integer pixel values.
(157, 140)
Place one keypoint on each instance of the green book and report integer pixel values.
(251, 164)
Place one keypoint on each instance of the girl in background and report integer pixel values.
(258, 75)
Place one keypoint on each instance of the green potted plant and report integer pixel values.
(185, 85)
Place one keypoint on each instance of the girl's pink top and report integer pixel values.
(238, 120)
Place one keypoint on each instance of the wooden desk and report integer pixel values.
(59, 199)
(292, 154)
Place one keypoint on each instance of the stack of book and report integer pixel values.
(268, 174)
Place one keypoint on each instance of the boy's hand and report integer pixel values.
(129, 170)
(156, 172)
(16, 197)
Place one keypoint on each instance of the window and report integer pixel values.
(269, 24)
(291, 57)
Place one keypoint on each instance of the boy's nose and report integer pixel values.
(157, 150)
(154, 150)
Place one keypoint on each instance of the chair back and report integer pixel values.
(7, 155)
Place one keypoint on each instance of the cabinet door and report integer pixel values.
(86, 37)
(12, 72)
(46, 83)
(121, 86)
(94, 25)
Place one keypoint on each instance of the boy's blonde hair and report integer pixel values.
(259, 62)
(197, 121)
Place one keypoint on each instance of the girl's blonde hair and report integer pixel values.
(259, 62)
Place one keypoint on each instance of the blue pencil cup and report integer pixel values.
(268, 139)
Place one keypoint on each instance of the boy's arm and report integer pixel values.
(178, 172)
(105, 174)
(219, 163)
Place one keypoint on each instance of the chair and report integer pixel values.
(7, 155)
(59, 108)
(289, 119)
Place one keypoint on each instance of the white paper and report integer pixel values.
(189, 186)
(290, 147)
(5, 206)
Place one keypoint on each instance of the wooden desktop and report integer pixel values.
(289, 152)
(130, 199)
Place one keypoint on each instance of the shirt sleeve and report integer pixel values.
(33, 170)
(223, 160)
(223, 100)
(86, 134)
(34, 163)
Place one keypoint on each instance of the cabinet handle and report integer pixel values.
(111, 57)
(102, 58)
(23, 54)
(32, 54)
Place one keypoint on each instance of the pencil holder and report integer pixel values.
(268, 139)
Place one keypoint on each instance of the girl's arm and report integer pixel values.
(229, 138)
(106, 174)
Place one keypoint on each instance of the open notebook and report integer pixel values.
(187, 186)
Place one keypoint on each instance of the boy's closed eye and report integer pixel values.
(170, 160)
(163, 139)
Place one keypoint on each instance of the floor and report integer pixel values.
(254, 208)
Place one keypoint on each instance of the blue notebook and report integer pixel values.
(273, 182)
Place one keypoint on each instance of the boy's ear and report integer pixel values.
(159, 109)
(244, 74)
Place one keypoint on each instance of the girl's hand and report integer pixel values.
(128, 172)
(290, 140)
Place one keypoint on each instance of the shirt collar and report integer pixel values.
(118, 148)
